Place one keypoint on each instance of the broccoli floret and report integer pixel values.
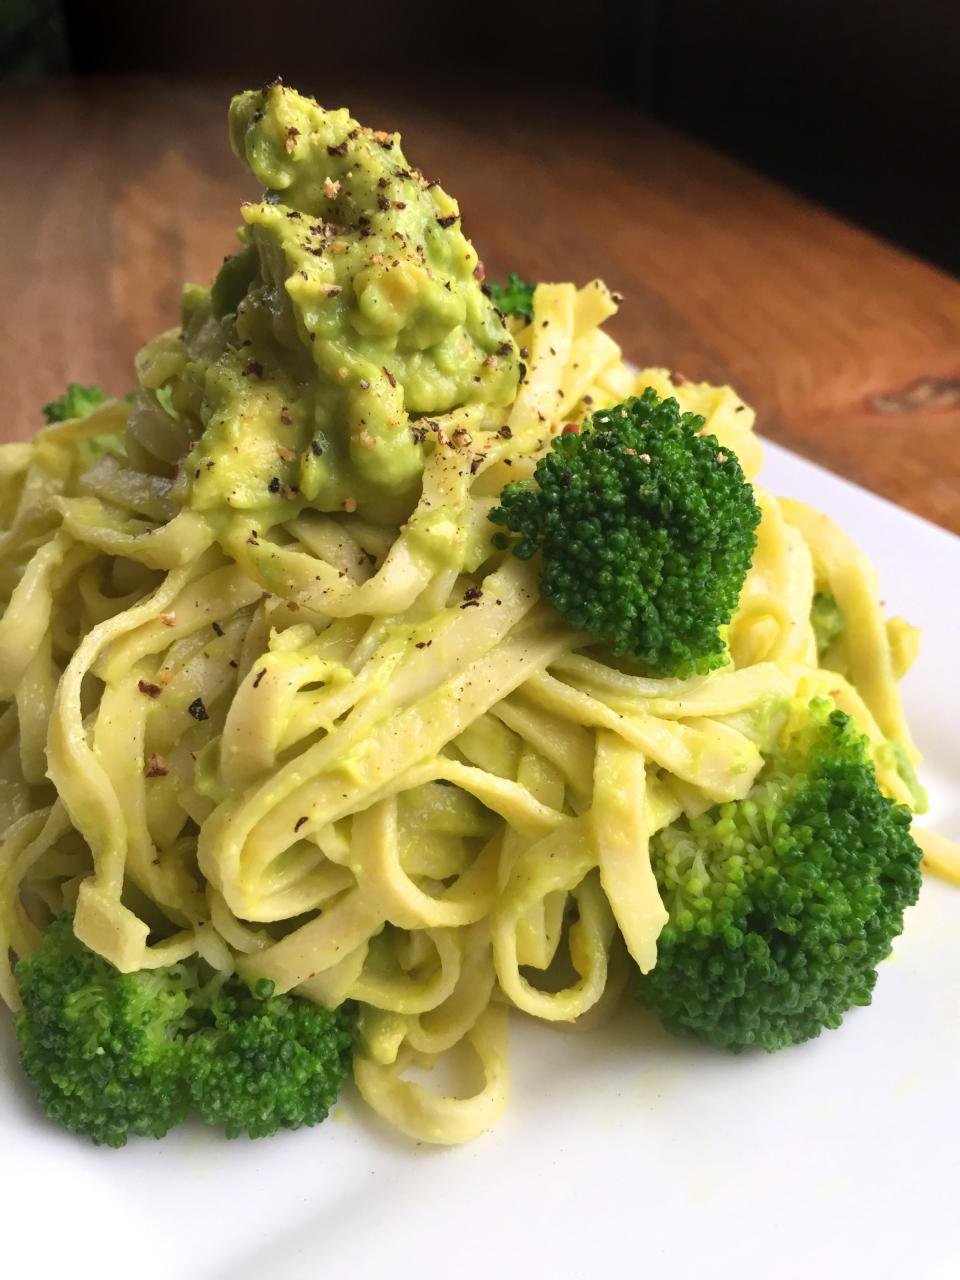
(646, 528)
(76, 402)
(782, 905)
(826, 620)
(515, 298)
(268, 1062)
(115, 1054)
(100, 1046)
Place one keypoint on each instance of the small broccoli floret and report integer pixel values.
(100, 1046)
(826, 620)
(782, 905)
(515, 298)
(268, 1062)
(115, 1054)
(646, 528)
(76, 402)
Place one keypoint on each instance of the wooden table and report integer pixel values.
(850, 350)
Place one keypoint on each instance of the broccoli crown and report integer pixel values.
(782, 905)
(827, 621)
(268, 1062)
(515, 298)
(112, 1054)
(99, 1046)
(647, 530)
(76, 402)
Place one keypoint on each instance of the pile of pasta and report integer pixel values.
(367, 762)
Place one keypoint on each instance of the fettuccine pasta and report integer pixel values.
(325, 753)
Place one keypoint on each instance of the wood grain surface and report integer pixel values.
(116, 193)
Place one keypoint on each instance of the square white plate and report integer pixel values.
(622, 1148)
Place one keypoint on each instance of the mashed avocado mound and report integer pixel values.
(352, 308)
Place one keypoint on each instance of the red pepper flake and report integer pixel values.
(390, 377)
(259, 676)
(571, 429)
(198, 710)
(156, 766)
(480, 271)
(151, 690)
(254, 369)
(678, 379)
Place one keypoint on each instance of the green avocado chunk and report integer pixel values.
(353, 303)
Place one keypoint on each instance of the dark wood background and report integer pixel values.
(116, 190)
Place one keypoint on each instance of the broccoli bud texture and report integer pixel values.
(515, 298)
(782, 905)
(646, 529)
(75, 402)
(100, 1047)
(268, 1062)
(113, 1055)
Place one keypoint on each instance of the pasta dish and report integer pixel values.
(395, 657)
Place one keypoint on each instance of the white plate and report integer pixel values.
(623, 1148)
